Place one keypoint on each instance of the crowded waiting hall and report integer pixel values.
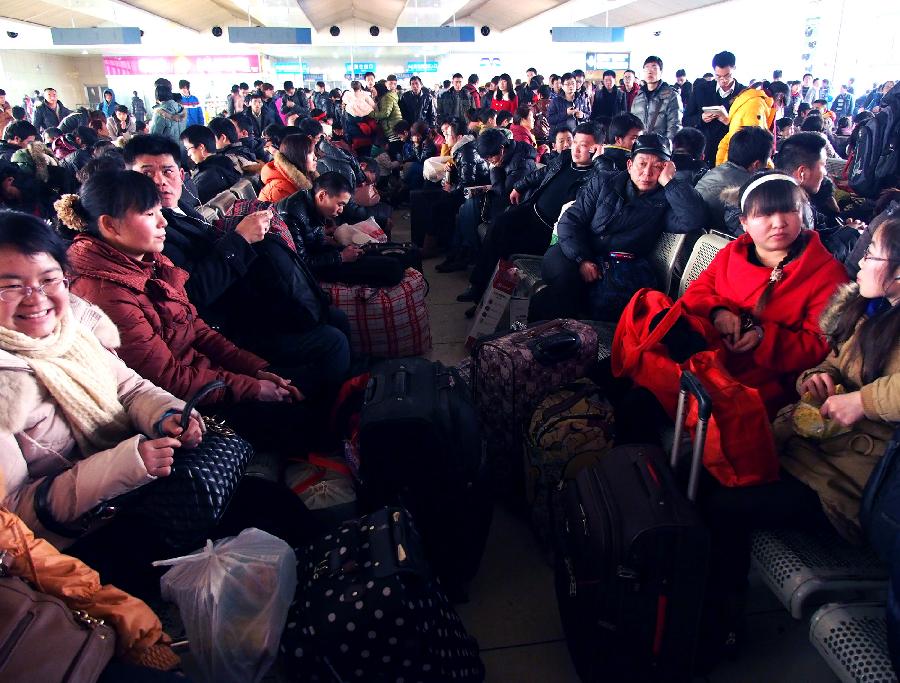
(449, 342)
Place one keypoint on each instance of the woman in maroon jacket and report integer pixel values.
(118, 265)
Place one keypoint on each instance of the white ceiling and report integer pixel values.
(645, 10)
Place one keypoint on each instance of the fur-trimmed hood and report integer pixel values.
(36, 156)
(294, 174)
(17, 379)
(842, 298)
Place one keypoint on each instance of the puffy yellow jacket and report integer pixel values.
(751, 108)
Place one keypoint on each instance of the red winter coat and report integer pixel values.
(792, 341)
(163, 340)
(505, 105)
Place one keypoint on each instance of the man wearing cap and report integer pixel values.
(612, 228)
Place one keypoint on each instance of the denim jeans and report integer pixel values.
(465, 237)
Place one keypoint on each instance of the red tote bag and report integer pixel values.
(740, 449)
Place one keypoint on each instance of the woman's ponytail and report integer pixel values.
(72, 213)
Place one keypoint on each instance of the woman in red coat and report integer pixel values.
(764, 292)
(505, 97)
(118, 265)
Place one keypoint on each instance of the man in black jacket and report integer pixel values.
(215, 172)
(50, 113)
(294, 101)
(258, 116)
(417, 103)
(623, 131)
(215, 261)
(509, 162)
(605, 237)
(307, 214)
(536, 200)
(719, 92)
(17, 135)
(609, 100)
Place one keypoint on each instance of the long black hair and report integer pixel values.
(878, 335)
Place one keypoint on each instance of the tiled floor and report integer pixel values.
(512, 608)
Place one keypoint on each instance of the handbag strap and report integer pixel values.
(202, 393)
(325, 464)
(663, 327)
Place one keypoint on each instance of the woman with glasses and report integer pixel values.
(862, 326)
(77, 426)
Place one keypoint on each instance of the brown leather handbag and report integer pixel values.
(43, 641)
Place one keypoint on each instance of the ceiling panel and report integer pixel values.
(645, 10)
(503, 14)
(200, 15)
(46, 14)
(324, 13)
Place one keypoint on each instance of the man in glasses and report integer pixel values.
(702, 111)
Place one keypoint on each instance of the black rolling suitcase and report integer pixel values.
(420, 447)
(631, 579)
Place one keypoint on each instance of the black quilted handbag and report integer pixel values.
(185, 506)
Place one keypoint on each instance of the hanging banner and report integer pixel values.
(209, 64)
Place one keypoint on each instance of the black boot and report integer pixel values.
(470, 295)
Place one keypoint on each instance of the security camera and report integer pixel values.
(142, 33)
(12, 34)
(374, 31)
(217, 31)
(335, 31)
(657, 33)
(486, 31)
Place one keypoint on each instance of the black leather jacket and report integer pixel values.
(418, 107)
(308, 230)
(331, 158)
(468, 167)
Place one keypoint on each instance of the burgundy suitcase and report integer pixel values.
(512, 373)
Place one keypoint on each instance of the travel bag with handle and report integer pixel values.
(569, 430)
(512, 373)
(406, 252)
(420, 447)
(368, 608)
(43, 641)
(630, 582)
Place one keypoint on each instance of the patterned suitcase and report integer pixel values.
(368, 609)
(386, 322)
(569, 430)
(512, 373)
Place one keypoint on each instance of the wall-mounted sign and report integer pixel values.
(209, 64)
(422, 67)
(359, 67)
(600, 61)
(291, 67)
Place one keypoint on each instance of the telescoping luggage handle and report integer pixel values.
(690, 384)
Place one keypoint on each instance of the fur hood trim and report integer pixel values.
(463, 140)
(731, 195)
(842, 298)
(294, 174)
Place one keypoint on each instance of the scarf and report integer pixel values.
(72, 365)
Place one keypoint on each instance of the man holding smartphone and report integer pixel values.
(569, 107)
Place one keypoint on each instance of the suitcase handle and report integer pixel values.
(690, 384)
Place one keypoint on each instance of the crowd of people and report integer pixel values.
(119, 300)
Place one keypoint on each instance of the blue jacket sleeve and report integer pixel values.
(556, 112)
(687, 210)
(575, 224)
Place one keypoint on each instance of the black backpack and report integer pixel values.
(877, 156)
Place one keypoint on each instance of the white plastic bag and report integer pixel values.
(233, 597)
(359, 233)
(435, 168)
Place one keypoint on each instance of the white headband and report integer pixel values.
(764, 179)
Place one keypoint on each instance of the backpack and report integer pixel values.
(876, 158)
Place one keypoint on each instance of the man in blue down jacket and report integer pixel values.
(605, 237)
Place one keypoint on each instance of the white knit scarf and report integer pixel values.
(73, 366)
